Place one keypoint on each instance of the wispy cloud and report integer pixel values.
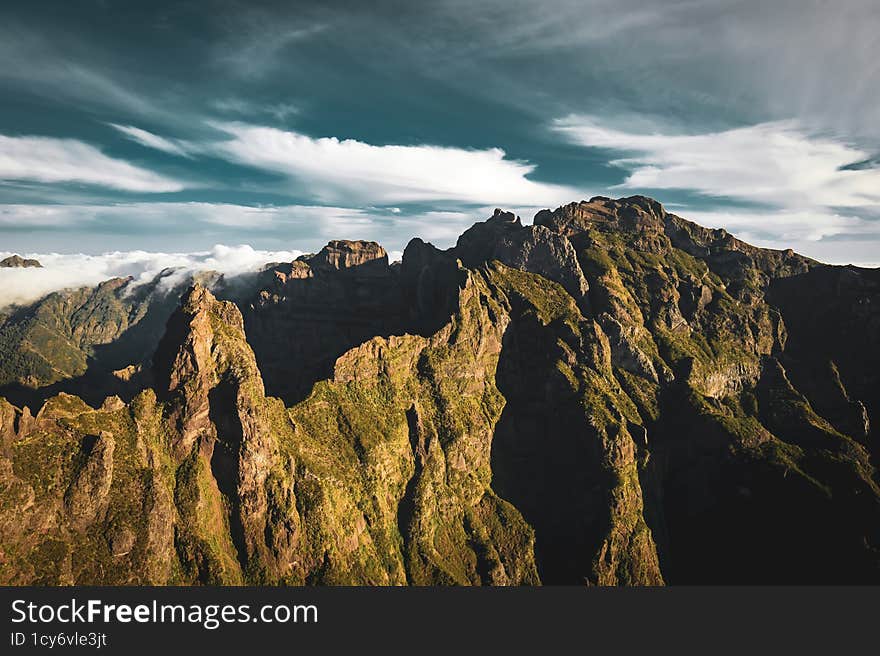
(238, 107)
(823, 235)
(697, 61)
(785, 226)
(186, 215)
(150, 140)
(49, 160)
(63, 69)
(256, 51)
(777, 162)
(331, 169)
(307, 226)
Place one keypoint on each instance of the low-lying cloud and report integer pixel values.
(66, 271)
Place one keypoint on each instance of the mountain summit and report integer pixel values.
(18, 262)
(612, 395)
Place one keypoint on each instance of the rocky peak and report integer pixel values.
(535, 249)
(342, 254)
(204, 345)
(201, 327)
(639, 218)
(18, 262)
(500, 217)
(641, 223)
(353, 258)
(633, 214)
(310, 311)
(199, 300)
(216, 400)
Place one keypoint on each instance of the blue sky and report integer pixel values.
(174, 127)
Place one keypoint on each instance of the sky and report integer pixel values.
(170, 128)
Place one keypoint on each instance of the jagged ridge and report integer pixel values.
(613, 395)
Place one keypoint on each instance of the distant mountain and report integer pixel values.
(613, 395)
(16, 261)
(73, 340)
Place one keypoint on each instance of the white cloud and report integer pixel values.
(37, 216)
(333, 170)
(150, 140)
(45, 159)
(63, 271)
(783, 226)
(336, 170)
(777, 163)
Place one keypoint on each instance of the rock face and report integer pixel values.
(340, 254)
(612, 396)
(222, 438)
(533, 248)
(86, 496)
(311, 311)
(831, 353)
(18, 262)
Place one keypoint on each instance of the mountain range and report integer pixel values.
(612, 395)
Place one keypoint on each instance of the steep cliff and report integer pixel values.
(309, 312)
